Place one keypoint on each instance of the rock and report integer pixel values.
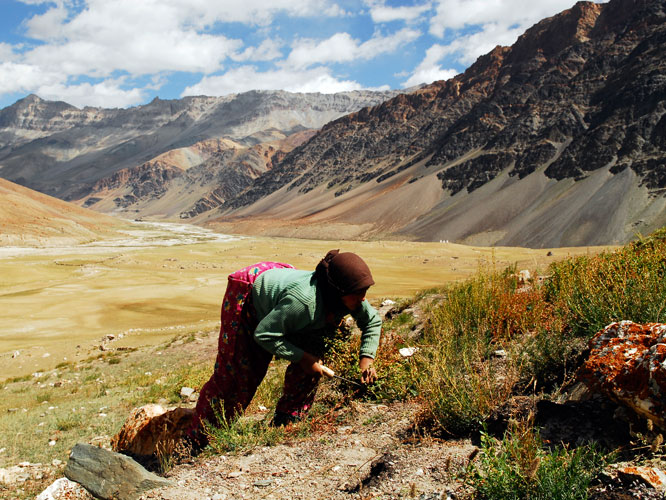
(653, 477)
(408, 352)
(524, 277)
(13, 475)
(263, 483)
(64, 489)
(109, 475)
(150, 429)
(627, 363)
(188, 394)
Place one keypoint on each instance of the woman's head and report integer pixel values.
(344, 274)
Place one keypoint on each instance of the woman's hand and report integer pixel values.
(368, 373)
(310, 364)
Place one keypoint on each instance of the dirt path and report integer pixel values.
(369, 453)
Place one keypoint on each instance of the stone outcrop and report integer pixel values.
(109, 475)
(627, 363)
(152, 430)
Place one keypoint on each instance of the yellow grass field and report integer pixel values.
(57, 304)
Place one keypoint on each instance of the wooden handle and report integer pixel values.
(327, 371)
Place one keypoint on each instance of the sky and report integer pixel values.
(123, 53)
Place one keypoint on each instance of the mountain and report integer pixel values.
(29, 218)
(83, 154)
(558, 140)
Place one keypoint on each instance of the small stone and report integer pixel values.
(52, 443)
(235, 474)
(263, 483)
(407, 352)
(186, 392)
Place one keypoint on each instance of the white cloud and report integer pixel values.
(249, 78)
(7, 52)
(341, 47)
(17, 77)
(252, 12)
(380, 13)
(456, 14)
(429, 70)
(268, 50)
(106, 94)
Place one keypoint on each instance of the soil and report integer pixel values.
(370, 451)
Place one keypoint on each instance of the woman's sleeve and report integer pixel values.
(368, 320)
(289, 315)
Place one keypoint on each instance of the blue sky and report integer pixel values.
(121, 53)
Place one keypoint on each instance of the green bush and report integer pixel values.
(241, 434)
(519, 468)
(588, 293)
(544, 328)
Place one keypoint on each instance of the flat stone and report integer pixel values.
(109, 475)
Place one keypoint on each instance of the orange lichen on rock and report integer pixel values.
(627, 363)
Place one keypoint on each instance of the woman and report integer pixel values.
(272, 309)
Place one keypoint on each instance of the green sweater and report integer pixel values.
(290, 311)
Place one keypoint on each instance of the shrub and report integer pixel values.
(588, 293)
(518, 467)
(241, 434)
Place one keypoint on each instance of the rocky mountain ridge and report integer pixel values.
(63, 151)
(557, 140)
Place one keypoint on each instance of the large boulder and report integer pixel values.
(152, 430)
(627, 363)
(109, 475)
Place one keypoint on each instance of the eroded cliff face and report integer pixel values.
(562, 134)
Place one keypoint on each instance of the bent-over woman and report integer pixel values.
(272, 309)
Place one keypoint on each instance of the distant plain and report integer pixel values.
(58, 303)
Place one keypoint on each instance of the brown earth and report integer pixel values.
(29, 218)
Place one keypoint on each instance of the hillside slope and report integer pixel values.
(29, 218)
(557, 140)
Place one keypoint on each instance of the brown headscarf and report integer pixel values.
(343, 273)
